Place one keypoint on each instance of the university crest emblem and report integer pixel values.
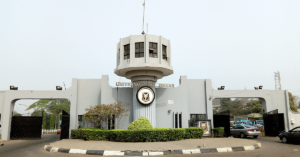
(145, 97)
(204, 127)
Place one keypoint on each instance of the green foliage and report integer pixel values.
(255, 106)
(52, 122)
(140, 123)
(218, 132)
(143, 135)
(17, 114)
(238, 107)
(193, 132)
(292, 103)
(44, 120)
(234, 106)
(51, 107)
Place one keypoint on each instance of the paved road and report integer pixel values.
(271, 147)
(30, 148)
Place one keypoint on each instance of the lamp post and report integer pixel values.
(26, 106)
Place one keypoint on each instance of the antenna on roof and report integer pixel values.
(143, 17)
(147, 28)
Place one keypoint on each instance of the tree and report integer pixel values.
(236, 107)
(52, 106)
(17, 114)
(215, 111)
(44, 120)
(100, 114)
(293, 106)
(52, 122)
(254, 106)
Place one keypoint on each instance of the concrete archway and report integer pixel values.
(271, 99)
(8, 99)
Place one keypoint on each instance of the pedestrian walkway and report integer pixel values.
(153, 146)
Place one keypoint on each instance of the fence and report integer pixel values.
(49, 131)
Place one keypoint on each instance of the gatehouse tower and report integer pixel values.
(144, 59)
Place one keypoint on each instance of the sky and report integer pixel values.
(237, 44)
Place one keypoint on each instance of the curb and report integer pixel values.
(151, 152)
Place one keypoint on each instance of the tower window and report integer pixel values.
(164, 52)
(139, 50)
(127, 51)
(153, 50)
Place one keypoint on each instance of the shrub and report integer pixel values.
(77, 133)
(140, 123)
(142, 135)
(193, 132)
(218, 132)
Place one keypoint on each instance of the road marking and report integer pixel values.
(54, 149)
(249, 147)
(77, 151)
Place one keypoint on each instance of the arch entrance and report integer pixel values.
(247, 111)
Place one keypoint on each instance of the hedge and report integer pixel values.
(145, 135)
(218, 132)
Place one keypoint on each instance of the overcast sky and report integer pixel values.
(238, 44)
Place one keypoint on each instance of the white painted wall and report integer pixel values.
(192, 96)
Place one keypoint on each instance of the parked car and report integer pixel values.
(58, 131)
(261, 127)
(244, 131)
(291, 135)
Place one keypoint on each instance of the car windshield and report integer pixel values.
(296, 130)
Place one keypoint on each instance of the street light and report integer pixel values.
(26, 106)
(13, 88)
(221, 88)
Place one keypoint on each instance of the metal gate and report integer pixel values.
(26, 127)
(222, 119)
(65, 125)
(273, 123)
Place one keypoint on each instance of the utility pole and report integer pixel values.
(277, 81)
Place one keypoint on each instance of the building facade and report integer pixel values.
(144, 59)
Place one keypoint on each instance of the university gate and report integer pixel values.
(26, 127)
(65, 125)
(273, 123)
(222, 119)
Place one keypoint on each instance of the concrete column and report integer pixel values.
(121, 51)
(6, 118)
(208, 100)
(141, 110)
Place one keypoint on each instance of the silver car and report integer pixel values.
(244, 131)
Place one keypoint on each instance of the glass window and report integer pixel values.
(198, 116)
(296, 130)
(127, 51)
(164, 52)
(240, 127)
(153, 50)
(139, 50)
